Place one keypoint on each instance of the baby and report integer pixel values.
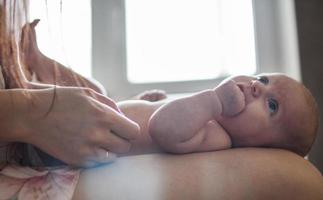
(268, 110)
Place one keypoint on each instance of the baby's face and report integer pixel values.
(270, 101)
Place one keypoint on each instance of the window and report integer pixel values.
(64, 33)
(182, 40)
(116, 27)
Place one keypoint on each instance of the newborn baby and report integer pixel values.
(269, 110)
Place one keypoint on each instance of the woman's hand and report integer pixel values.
(77, 126)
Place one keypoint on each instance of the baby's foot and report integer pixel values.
(151, 95)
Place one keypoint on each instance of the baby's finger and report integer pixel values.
(113, 143)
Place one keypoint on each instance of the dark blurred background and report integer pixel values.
(309, 16)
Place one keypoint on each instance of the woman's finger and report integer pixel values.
(123, 126)
(98, 156)
(103, 156)
(103, 99)
(113, 143)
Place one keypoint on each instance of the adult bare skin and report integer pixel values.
(246, 173)
(77, 126)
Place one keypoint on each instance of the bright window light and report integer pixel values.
(64, 31)
(179, 40)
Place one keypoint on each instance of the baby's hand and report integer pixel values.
(231, 98)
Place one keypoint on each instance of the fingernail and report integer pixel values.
(111, 156)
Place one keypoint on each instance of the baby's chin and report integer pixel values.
(231, 97)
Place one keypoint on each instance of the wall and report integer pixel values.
(309, 18)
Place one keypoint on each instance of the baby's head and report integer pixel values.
(278, 112)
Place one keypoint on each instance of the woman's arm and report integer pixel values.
(75, 125)
(249, 173)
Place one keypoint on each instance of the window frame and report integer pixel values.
(275, 35)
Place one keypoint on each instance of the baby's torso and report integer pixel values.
(140, 112)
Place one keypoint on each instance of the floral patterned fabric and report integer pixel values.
(25, 183)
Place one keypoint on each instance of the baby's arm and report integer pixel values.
(215, 138)
(184, 125)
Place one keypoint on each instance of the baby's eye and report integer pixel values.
(263, 79)
(272, 106)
